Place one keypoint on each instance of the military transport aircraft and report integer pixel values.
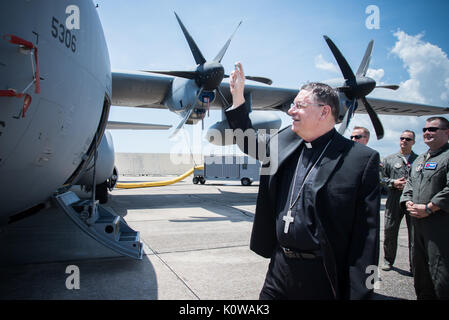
(56, 89)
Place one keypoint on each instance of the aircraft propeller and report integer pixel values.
(208, 74)
(358, 86)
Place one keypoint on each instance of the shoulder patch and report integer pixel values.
(430, 165)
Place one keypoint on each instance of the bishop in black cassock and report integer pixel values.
(317, 213)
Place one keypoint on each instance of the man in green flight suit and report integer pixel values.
(395, 171)
(426, 197)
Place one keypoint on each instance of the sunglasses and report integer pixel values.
(431, 129)
(357, 137)
(406, 139)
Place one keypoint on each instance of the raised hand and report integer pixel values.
(237, 85)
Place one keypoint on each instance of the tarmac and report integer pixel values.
(196, 247)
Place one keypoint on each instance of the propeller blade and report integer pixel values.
(199, 58)
(390, 86)
(363, 68)
(343, 89)
(374, 119)
(224, 102)
(347, 118)
(181, 124)
(342, 63)
(344, 124)
(225, 47)
(258, 79)
(181, 74)
(186, 117)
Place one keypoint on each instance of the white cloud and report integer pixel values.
(445, 95)
(376, 74)
(322, 64)
(428, 83)
(428, 69)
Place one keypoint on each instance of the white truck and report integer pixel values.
(242, 168)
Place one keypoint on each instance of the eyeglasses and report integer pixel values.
(432, 129)
(303, 106)
(357, 137)
(406, 139)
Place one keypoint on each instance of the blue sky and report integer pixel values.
(282, 40)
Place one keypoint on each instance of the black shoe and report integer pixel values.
(408, 273)
(386, 266)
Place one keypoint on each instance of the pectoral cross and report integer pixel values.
(288, 219)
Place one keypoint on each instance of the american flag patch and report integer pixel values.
(430, 166)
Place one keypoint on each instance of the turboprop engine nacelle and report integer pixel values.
(221, 134)
(183, 95)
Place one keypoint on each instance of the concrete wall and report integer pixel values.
(155, 164)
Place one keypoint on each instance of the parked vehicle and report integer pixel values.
(242, 168)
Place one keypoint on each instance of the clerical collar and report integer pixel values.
(320, 141)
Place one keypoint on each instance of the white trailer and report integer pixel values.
(242, 168)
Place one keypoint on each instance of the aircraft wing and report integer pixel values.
(263, 96)
(120, 125)
(139, 89)
(148, 90)
(391, 107)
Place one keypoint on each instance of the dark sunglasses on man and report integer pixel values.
(405, 138)
(357, 137)
(432, 129)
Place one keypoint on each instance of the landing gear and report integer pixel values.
(101, 192)
(246, 182)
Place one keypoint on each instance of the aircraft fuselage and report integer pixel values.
(44, 148)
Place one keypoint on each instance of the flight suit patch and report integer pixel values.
(430, 165)
(419, 167)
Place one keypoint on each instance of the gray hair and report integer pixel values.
(324, 94)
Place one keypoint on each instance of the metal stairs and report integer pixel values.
(101, 224)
